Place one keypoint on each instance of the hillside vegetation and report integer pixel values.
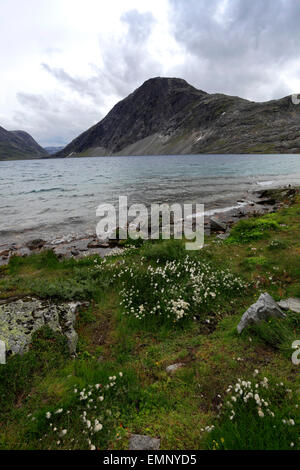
(19, 145)
(151, 307)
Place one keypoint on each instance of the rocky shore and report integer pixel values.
(216, 221)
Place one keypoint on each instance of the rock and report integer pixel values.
(290, 304)
(5, 253)
(95, 244)
(65, 239)
(263, 309)
(113, 243)
(62, 251)
(140, 442)
(104, 245)
(23, 252)
(74, 305)
(161, 117)
(283, 304)
(14, 247)
(36, 244)
(80, 245)
(21, 318)
(217, 226)
(223, 236)
(267, 202)
(4, 261)
(173, 368)
(72, 338)
(2, 353)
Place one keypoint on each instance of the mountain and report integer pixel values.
(52, 150)
(18, 145)
(169, 116)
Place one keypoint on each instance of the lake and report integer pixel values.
(51, 198)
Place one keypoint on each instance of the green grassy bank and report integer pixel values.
(154, 306)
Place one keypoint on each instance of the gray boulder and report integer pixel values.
(173, 368)
(290, 304)
(140, 442)
(2, 353)
(21, 318)
(23, 252)
(263, 309)
(223, 236)
(36, 244)
(217, 226)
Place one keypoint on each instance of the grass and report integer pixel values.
(253, 229)
(278, 333)
(187, 410)
(48, 351)
(258, 415)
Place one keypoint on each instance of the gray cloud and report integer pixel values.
(84, 86)
(140, 25)
(240, 49)
(126, 63)
(53, 120)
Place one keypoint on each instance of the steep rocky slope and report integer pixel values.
(169, 116)
(18, 145)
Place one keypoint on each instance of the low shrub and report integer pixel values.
(276, 244)
(257, 415)
(252, 229)
(163, 251)
(91, 413)
(88, 423)
(44, 260)
(177, 290)
(279, 333)
(85, 283)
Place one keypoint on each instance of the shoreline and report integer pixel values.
(54, 157)
(148, 316)
(218, 220)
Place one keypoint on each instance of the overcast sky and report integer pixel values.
(65, 63)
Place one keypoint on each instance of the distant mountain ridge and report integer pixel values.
(169, 116)
(52, 150)
(17, 145)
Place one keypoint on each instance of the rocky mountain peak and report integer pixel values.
(170, 116)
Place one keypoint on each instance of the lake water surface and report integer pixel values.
(52, 198)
